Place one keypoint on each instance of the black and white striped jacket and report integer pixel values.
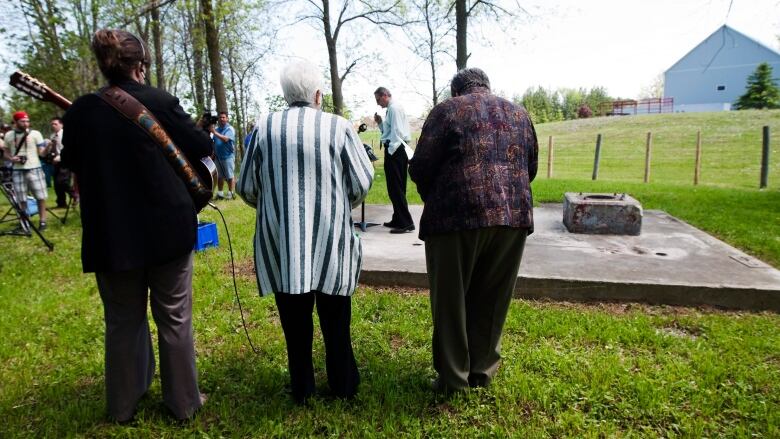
(304, 171)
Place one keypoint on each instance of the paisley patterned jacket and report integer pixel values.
(474, 163)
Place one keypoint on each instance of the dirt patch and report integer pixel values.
(622, 308)
(396, 342)
(244, 269)
(400, 291)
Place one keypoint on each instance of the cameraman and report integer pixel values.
(23, 146)
(225, 149)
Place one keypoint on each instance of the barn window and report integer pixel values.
(721, 87)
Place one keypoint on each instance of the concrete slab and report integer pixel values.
(671, 263)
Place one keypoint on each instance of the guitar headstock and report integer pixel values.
(37, 89)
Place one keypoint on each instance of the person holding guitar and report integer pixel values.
(139, 228)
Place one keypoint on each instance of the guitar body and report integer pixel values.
(198, 174)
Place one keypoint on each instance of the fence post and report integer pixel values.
(550, 158)
(596, 158)
(647, 155)
(765, 158)
(697, 166)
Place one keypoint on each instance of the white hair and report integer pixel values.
(300, 82)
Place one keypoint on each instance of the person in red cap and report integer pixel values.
(22, 148)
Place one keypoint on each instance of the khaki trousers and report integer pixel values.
(472, 276)
(129, 353)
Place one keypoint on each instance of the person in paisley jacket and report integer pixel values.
(473, 167)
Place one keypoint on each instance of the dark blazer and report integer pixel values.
(474, 163)
(135, 211)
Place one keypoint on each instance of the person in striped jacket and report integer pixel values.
(304, 171)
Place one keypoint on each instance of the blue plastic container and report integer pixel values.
(207, 236)
(32, 206)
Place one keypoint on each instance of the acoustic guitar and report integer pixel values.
(198, 175)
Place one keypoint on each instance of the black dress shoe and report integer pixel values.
(406, 229)
(439, 387)
(390, 224)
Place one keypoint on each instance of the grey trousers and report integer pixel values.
(472, 275)
(129, 354)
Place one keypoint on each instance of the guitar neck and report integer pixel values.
(38, 90)
(59, 100)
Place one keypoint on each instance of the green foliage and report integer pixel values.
(562, 104)
(568, 370)
(327, 106)
(275, 103)
(761, 90)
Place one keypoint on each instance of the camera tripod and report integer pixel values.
(26, 227)
(72, 205)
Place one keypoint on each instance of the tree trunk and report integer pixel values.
(238, 118)
(212, 45)
(431, 52)
(335, 79)
(461, 33)
(158, 47)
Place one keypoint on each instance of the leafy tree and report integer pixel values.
(562, 104)
(584, 112)
(275, 103)
(542, 105)
(596, 97)
(761, 90)
(329, 107)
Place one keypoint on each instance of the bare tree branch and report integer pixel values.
(154, 4)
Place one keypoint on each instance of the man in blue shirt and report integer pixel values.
(395, 138)
(225, 149)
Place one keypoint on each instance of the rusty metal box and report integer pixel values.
(607, 214)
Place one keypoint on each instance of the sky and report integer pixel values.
(622, 45)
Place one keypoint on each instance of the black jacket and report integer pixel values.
(135, 211)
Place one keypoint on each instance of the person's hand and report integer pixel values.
(16, 159)
(212, 129)
(377, 118)
(57, 159)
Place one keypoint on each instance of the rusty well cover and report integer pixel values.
(609, 214)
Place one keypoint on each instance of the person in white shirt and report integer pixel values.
(23, 146)
(395, 139)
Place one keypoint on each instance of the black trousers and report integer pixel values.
(472, 274)
(396, 166)
(62, 185)
(335, 312)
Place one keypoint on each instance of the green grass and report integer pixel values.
(568, 370)
(731, 147)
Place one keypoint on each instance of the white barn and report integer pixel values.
(713, 74)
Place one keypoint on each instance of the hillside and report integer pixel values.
(731, 147)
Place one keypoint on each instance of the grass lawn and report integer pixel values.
(731, 147)
(569, 370)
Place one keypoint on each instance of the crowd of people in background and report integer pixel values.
(303, 172)
(33, 162)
